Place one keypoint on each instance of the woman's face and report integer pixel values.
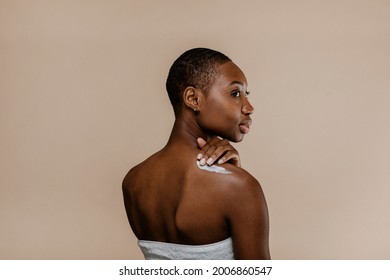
(226, 109)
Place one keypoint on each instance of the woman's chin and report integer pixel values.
(237, 138)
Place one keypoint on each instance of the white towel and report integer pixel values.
(154, 250)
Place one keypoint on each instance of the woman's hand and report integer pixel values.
(217, 150)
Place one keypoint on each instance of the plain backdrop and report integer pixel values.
(82, 100)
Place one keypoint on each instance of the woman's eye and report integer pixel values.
(235, 93)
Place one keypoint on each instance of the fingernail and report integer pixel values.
(199, 156)
(220, 161)
(210, 161)
(202, 161)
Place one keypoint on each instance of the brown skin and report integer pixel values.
(169, 199)
(217, 150)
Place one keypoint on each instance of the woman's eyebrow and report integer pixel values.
(236, 82)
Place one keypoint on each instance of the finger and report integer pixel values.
(218, 153)
(214, 141)
(207, 155)
(208, 148)
(201, 142)
(230, 157)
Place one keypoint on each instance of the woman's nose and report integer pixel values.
(247, 108)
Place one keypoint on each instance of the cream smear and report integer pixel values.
(213, 168)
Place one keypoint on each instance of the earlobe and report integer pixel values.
(191, 98)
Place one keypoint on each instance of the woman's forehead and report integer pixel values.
(229, 73)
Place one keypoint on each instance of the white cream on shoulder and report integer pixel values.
(213, 168)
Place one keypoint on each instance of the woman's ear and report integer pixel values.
(192, 98)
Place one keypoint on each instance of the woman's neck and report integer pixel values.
(185, 131)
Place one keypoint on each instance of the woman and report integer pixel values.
(182, 204)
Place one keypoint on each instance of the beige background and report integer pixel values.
(83, 99)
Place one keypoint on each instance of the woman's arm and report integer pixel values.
(248, 219)
(245, 205)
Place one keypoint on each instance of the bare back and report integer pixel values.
(170, 199)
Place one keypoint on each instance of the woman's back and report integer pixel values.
(170, 199)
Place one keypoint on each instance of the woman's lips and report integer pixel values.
(245, 126)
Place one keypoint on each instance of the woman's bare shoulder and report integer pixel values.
(140, 171)
(228, 180)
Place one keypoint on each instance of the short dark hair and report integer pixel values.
(195, 67)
